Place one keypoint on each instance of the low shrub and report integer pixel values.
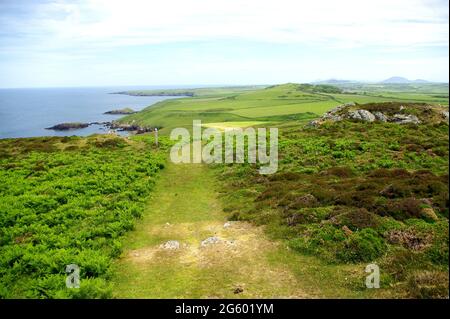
(339, 171)
(402, 209)
(429, 284)
(319, 239)
(362, 246)
(355, 218)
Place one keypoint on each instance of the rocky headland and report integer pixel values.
(124, 111)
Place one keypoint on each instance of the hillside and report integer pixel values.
(350, 190)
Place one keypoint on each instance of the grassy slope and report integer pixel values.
(185, 207)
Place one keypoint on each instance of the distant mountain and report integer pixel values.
(401, 80)
(395, 80)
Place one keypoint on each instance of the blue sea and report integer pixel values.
(27, 112)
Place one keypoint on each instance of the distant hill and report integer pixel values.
(402, 80)
(421, 81)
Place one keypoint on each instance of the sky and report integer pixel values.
(220, 42)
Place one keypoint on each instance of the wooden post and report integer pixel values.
(156, 137)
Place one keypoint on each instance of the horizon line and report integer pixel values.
(201, 86)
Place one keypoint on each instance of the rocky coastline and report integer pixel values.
(114, 126)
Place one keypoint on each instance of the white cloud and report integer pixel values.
(344, 23)
(89, 42)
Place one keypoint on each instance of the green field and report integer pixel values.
(274, 103)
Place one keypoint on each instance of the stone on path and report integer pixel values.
(170, 245)
(210, 241)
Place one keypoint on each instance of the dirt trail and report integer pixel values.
(185, 208)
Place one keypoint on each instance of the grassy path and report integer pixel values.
(185, 208)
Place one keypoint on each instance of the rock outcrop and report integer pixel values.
(393, 112)
(361, 115)
(380, 117)
(405, 119)
(445, 115)
(109, 125)
(130, 127)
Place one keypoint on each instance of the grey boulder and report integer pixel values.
(362, 115)
(405, 119)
